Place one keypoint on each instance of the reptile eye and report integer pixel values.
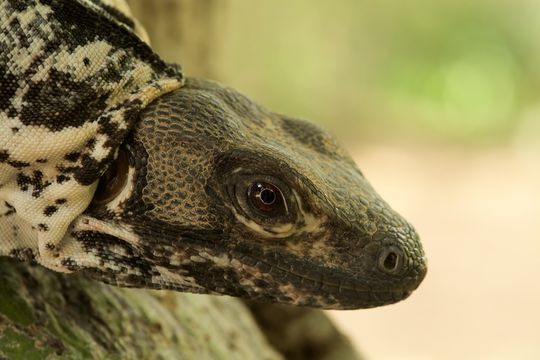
(266, 198)
(263, 199)
(113, 180)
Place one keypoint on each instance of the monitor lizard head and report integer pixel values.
(212, 193)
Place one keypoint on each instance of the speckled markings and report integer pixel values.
(73, 76)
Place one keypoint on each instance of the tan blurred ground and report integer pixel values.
(478, 213)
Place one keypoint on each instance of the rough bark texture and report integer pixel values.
(50, 315)
(302, 333)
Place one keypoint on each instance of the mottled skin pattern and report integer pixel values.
(174, 210)
(73, 79)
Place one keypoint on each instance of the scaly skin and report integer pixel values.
(205, 191)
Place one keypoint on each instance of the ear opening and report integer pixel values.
(114, 180)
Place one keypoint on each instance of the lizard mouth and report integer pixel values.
(269, 277)
(328, 288)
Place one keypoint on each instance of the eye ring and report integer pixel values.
(113, 181)
(265, 199)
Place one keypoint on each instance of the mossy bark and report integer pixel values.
(51, 315)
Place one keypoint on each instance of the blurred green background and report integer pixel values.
(458, 71)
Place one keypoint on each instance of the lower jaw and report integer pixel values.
(340, 301)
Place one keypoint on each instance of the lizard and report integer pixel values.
(115, 165)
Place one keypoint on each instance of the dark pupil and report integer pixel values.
(265, 197)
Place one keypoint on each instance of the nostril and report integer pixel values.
(390, 261)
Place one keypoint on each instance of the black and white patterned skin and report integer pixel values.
(73, 79)
(200, 189)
